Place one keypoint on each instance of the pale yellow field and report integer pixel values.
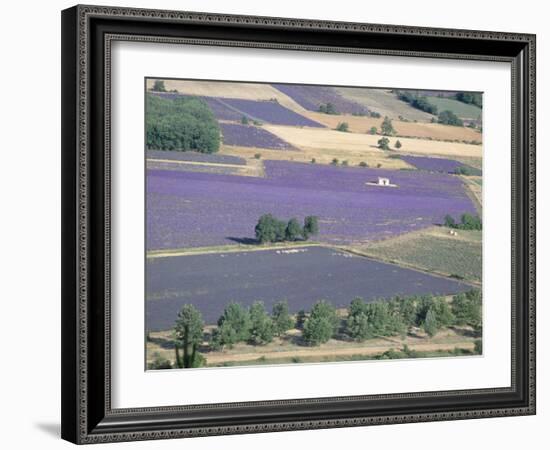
(372, 156)
(247, 91)
(436, 131)
(355, 144)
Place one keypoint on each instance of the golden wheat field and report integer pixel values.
(355, 144)
(436, 131)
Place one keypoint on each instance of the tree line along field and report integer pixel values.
(278, 154)
(411, 327)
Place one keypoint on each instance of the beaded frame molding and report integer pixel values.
(87, 35)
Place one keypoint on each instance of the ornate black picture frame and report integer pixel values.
(87, 35)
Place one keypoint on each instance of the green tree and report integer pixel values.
(430, 324)
(234, 325)
(262, 328)
(270, 229)
(363, 164)
(158, 86)
(373, 130)
(467, 309)
(383, 143)
(281, 317)
(293, 230)
(334, 161)
(189, 334)
(387, 127)
(342, 126)
(311, 227)
(180, 124)
(244, 120)
(398, 144)
(322, 323)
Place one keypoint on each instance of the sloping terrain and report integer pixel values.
(384, 102)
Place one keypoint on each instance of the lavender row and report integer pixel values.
(252, 136)
(312, 97)
(269, 112)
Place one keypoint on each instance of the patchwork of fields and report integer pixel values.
(276, 151)
(302, 277)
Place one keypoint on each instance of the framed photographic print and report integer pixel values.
(281, 224)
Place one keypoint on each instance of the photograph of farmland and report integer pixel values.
(292, 224)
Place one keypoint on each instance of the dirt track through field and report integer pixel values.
(332, 352)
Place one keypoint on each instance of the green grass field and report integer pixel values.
(434, 250)
(462, 110)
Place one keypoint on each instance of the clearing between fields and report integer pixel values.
(436, 131)
(372, 156)
(433, 250)
(354, 144)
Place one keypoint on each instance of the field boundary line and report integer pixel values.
(233, 249)
(405, 265)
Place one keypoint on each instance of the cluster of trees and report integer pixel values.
(471, 98)
(252, 325)
(418, 102)
(181, 124)
(449, 118)
(391, 318)
(467, 222)
(328, 108)
(396, 317)
(384, 144)
(271, 229)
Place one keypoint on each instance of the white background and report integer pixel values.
(30, 225)
(132, 387)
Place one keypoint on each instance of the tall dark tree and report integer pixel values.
(158, 86)
(311, 226)
(189, 334)
(281, 317)
(262, 328)
(387, 127)
(293, 230)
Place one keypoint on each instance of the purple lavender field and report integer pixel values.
(181, 205)
(438, 164)
(252, 136)
(311, 97)
(302, 278)
(269, 112)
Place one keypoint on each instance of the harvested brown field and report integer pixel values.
(354, 144)
(371, 156)
(437, 131)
